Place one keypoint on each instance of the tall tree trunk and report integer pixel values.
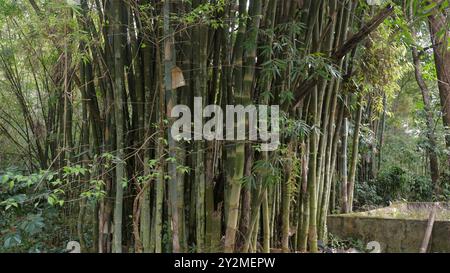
(432, 148)
(244, 97)
(439, 38)
(119, 44)
(171, 100)
(355, 152)
(343, 167)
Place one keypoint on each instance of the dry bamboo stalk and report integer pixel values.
(429, 230)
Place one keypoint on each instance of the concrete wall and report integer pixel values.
(394, 235)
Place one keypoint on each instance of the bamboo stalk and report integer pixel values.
(429, 230)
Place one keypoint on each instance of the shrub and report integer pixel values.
(395, 184)
(366, 195)
(392, 184)
(420, 189)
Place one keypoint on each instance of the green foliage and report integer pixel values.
(268, 170)
(420, 189)
(335, 242)
(10, 8)
(393, 184)
(382, 53)
(445, 186)
(206, 14)
(287, 59)
(96, 191)
(29, 220)
(290, 127)
(74, 170)
(366, 196)
(31, 205)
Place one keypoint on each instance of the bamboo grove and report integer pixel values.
(106, 74)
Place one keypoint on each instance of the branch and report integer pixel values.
(348, 46)
(35, 6)
(425, 49)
